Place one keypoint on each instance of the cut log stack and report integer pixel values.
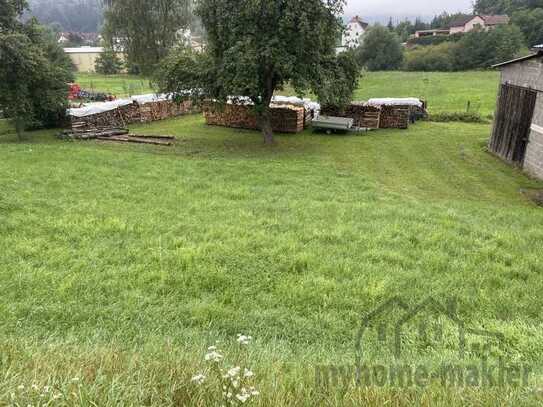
(376, 117)
(364, 116)
(134, 113)
(394, 117)
(285, 118)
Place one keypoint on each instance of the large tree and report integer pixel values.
(381, 50)
(34, 71)
(10, 10)
(145, 29)
(256, 47)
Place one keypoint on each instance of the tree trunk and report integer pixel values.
(19, 128)
(266, 125)
(265, 112)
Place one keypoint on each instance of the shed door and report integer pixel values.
(512, 125)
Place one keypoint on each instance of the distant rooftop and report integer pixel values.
(489, 20)
(358, 20)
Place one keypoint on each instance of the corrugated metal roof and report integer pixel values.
(514, 61)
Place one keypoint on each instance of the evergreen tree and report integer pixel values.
(108, 63)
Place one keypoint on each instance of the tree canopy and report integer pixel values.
(145, 29)
(381, 50)
(34, 72)
(108, 63)
(256, 47)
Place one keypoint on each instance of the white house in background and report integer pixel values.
(354, 33)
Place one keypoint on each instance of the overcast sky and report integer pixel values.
(371, 9)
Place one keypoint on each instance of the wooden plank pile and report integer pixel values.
(285, 118)
(115, 135)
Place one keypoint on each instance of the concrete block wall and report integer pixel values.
(533, 161)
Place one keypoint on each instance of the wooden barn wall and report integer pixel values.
(529, 74)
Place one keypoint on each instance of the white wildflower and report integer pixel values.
(233, 372)
(213, 356)
(35, 387)
(248, 373)
(198, 379)
(243, 397)
(254, 392)
(244, 339)
(46, 389)
(212, 348)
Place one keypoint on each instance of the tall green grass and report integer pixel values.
(120, 264)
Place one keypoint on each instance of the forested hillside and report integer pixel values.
(68, 15)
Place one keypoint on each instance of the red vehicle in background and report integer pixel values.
(74, 91)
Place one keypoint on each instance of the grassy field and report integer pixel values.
(120, 264)
(118, 85)
(445, 92)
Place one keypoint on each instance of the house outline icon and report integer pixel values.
(431, 303)
(394, 302)
(410, 313)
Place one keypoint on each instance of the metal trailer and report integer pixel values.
(329, 124)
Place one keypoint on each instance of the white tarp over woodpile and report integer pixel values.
(90, 109)
(278, 100)
(396, 102)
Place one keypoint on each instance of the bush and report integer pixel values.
(108, 63)
(435, 40)
(431, 58)
(475, 50)
(381, 50)
(531, 24)
(465, 117)
(482, 49)
(34, 77)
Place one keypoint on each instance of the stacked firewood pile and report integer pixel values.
(395, 117)
(115, 135)
(134, 113)
(377, 117)
(364, 116)
(285, 118)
